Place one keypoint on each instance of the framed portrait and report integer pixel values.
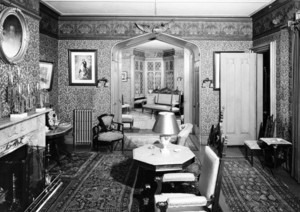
(14, 36)
(46, 75)
(217, 66)
(83, 67)
(124, 76)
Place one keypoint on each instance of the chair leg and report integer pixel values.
(122, 145)
(251, 153)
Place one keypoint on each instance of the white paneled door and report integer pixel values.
(238, 89)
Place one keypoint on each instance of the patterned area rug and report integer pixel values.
(106, 184)
(254, 189)
(73, 167)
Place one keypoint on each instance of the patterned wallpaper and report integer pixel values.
(200, 29)
(209, 102)
(283, 80)
(28, 5)
(71, 97)
(83, 97)
(48, 52)
(30, 65)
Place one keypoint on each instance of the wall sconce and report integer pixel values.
(105, 82)
(179, 78)
(206, 80)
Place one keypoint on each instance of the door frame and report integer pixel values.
(271, 46)
(189, 65)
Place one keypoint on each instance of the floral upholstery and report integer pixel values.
(107, 132)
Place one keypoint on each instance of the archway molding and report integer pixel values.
(191, 63)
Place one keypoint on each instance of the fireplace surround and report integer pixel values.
(22, 161)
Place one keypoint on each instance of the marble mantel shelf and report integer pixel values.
(30, 129)
(6, 122)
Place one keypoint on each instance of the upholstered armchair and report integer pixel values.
(208, 184)
(181, 138)
(185, 130)
(107, 132)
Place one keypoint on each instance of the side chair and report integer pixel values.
(208, 184)
(253, 146)
(108, 132)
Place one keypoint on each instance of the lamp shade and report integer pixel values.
(166, 124)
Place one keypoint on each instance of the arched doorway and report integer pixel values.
(191, 73)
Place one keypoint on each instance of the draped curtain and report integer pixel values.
(296, 103)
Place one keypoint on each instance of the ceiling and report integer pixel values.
(172, 8)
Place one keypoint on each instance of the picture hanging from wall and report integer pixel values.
(124, 76)
(46, 75)
(13, 35)
(83, 67)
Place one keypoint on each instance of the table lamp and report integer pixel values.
(166, 125)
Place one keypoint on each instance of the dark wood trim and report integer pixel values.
(47, 33)
(47, 10)
(21, 7)
(264, 34)
(269, 9)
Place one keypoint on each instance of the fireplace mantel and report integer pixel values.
(30, 130)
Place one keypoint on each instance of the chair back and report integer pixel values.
(216, 132)
(212, 171)
(185, 130)
(105, 121)
(209, 173)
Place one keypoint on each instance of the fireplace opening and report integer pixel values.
(22, 177)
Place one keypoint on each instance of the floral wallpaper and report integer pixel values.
(283, 80)
(83, 97)
(200, 29)
(48, 52)
(209, 102)
(98, 99)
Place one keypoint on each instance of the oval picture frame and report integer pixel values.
(13, 35)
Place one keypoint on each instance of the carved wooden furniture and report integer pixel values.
(275, 151)
(265, 131)
(55, 141)
(125, 106)
(165, 100)
(108, 132)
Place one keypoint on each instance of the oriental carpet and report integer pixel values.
(106, 184)
(254, 189)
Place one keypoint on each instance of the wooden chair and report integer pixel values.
(107, 132)
(125, 105)
(209, 182)
(253, 146)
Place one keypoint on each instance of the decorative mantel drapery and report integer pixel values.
(295, 26)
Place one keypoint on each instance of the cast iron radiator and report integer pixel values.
(82, 127)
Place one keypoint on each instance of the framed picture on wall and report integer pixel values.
(83, 67)
(13, 35)
(216, 67)
(46, 75)
(124, 76)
